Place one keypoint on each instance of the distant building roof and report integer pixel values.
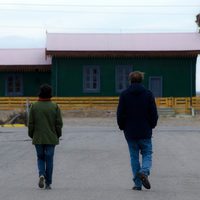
(135, 42)
(24, 57)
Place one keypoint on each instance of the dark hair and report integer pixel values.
(136, 77)
(45, 91)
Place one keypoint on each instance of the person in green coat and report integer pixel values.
(45, 129)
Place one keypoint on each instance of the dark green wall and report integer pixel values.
(2, 84)
(31, 82)
(178, 74)
(66, 76)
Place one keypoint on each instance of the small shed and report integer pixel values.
(99, 64)
(22, 71)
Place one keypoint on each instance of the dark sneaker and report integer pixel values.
(136, 188)
(48, 187)
(145, 181)
(41, 183)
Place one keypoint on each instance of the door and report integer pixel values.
(155, 85)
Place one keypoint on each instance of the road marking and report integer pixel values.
(12, 125)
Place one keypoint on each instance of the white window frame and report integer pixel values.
(121, 77)
(89, 80)
(14, 92)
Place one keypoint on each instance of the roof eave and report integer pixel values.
(186, 53)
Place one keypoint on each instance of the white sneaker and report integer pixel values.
(48, 187)
(41, 183)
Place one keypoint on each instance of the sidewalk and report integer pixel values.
(92, 163)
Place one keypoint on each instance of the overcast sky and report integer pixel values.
(24, 23)
(28, 20)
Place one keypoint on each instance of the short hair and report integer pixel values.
(45, 91)
(136, 77)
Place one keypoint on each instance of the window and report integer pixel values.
(91, 79)
(121, 77)
(14, 85)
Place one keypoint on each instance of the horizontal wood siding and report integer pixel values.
(178, 74)
(31, 82)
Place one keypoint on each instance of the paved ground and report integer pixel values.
(92, 163)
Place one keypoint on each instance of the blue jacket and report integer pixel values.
(137, 113)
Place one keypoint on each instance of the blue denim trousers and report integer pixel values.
(143, 147)
(45, 154)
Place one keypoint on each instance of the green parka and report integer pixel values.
(45, 123)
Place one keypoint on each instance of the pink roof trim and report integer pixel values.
(24, 57)
(123, 42)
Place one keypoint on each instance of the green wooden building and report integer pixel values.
(99, 64)
(22, 71)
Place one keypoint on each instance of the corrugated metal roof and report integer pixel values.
(24, 57)
(123, 42)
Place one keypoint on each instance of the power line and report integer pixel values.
(98, 12)
(103, 30)
(55, 27)
(105, 9)
(97, 6)
(80, 8)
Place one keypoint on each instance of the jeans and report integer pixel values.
(45, 155)
(143, 147)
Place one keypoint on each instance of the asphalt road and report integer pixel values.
(92, 163)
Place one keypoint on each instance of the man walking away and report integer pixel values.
(137, 116)
(44, 127)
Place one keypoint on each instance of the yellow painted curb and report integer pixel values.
(13, 125)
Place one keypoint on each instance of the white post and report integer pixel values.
(193, 111)
(27, 110)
